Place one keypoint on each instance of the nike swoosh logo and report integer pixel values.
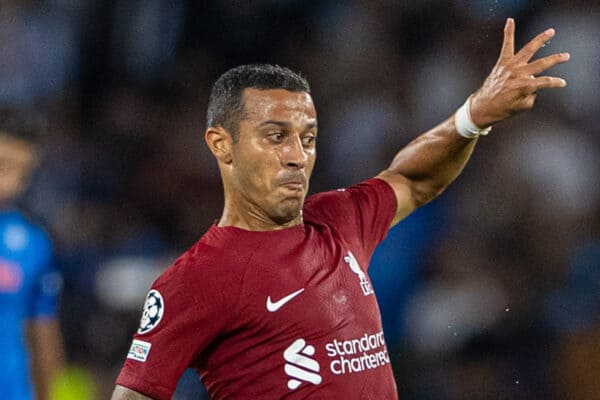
(274, 306)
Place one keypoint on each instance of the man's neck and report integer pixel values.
(254, 221)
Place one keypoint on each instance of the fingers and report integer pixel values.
(534, 45)
(547, 82)
(529, 101)
(508, 44)
(538, 66)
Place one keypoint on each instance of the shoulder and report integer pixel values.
(361, 214)
(205, 267)
(203, 284)
(370, 185)
(19, 234)
(346, 202)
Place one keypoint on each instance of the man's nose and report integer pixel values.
(293, 154)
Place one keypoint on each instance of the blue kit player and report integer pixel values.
(30, 341)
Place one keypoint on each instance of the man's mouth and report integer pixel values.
(296, 182)
(294, 185)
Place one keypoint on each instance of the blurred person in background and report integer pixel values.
(30, 339)
(325, 338)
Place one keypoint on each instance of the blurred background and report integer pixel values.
(490, 292)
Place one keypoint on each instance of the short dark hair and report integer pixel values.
(22, 124)
(226, 107)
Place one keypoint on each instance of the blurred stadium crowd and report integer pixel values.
(490, 292)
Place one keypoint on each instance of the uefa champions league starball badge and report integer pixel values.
(153, 312)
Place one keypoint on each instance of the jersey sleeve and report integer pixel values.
(363, 212)
(46, 294)
(47, 282)
(180, 319)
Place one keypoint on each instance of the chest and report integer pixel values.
(312, 288)
(17, 261)
(16, 282)
(306, 324)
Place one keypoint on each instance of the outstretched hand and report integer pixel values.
(512, 85)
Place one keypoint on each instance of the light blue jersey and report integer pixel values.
(29, 289)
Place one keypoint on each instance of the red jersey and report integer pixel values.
(278, 314)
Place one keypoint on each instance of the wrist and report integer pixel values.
(477, 112)
(464, 124)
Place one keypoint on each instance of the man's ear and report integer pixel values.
(219, 142)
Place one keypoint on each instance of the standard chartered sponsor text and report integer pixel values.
(359, 354)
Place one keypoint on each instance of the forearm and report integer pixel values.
(432, 161)
(47, 354)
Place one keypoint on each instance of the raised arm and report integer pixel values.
(122, 393)
(427, 165)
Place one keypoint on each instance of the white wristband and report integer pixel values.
(465, 125)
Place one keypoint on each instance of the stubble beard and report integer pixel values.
(287, 211)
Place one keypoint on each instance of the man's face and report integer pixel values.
(17, 160)
(274, 156)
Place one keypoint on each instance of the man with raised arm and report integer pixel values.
(274, 301)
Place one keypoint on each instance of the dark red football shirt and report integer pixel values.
(288, 313)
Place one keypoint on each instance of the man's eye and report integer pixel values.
(308, 140)
(276, 137)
